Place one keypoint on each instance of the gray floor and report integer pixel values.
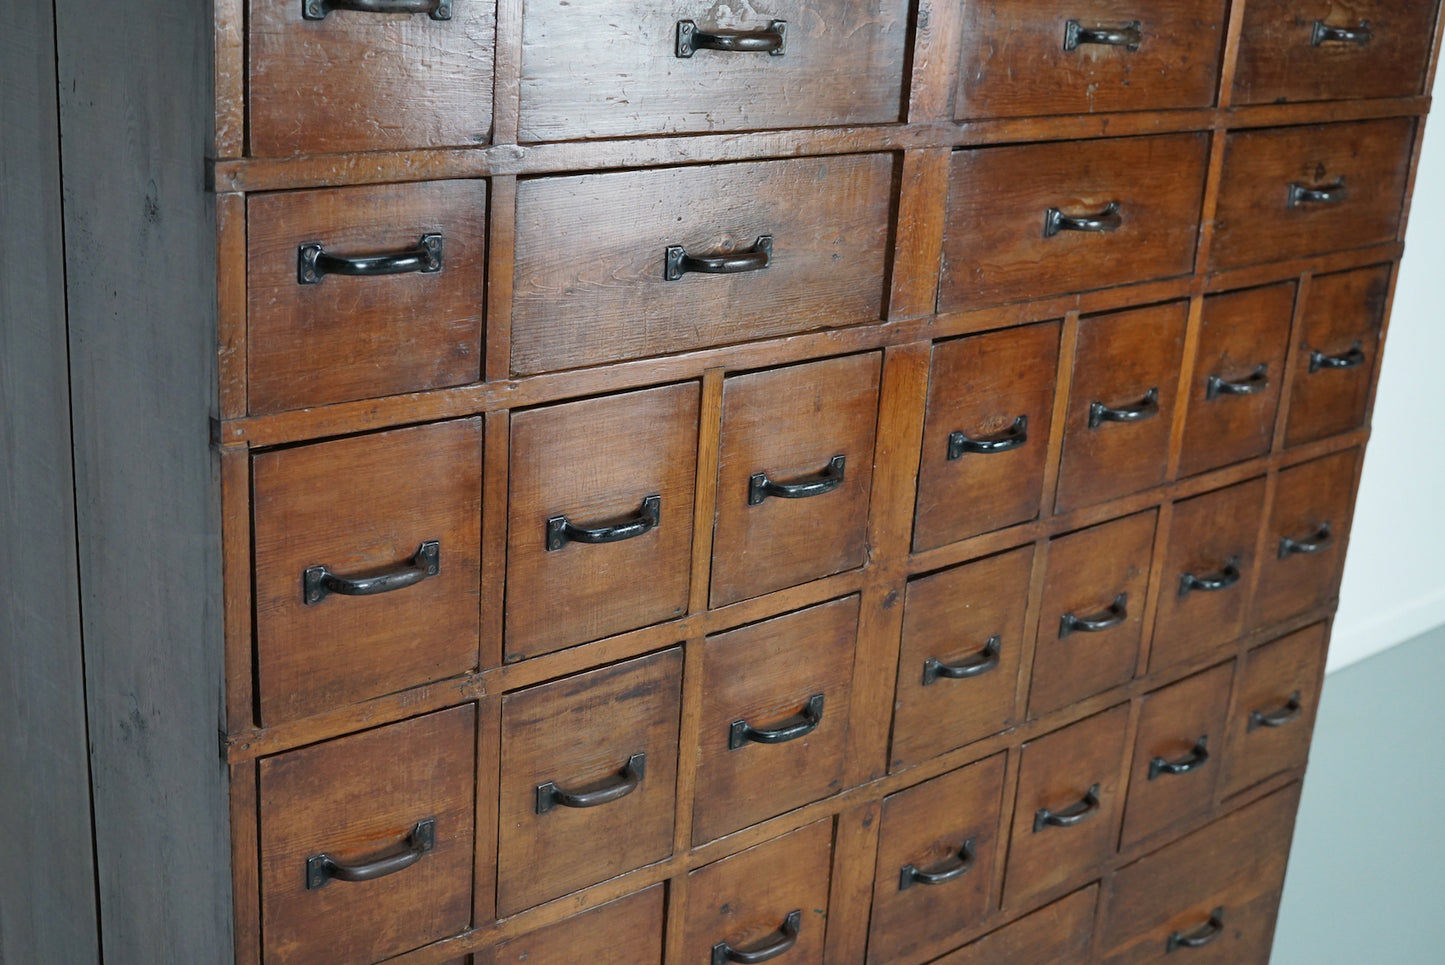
(1366, 883)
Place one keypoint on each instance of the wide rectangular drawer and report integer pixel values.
(1057, 933)
(1274, 710)
(627, 931)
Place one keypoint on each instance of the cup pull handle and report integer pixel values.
(770, 947)
(321, 868)
(1104, 221)
(1276, 718)
(772, 39)
(1352, 359)
(1128, 36)
(549, 795)
(1145, 408)
(760, 487)
(1067, 817)
(1201, 936)
(974, 666)
(561, 530)
(1321, 33)
(1322, 539)
(318, 582)
(1255, 383)
(1301, 194)
(952, 869)
(801, 724)
(756, 258)
(1197, 757)
(314, 262)
(1115, 615)
(318, 9)
(1011, 438)
(1211, 582)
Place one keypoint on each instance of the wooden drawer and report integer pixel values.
(1294, 50)
(1238, 377)
(354, 81)
(366, 841)
(774, 719)
(1121, 404)
(1063, 57)
(1035, 220)
(794, 475)
(986, 433)
(394, 517)
(1208, 569)
(936, 851)
(1069, 795)
(316, 336)
(958, 667)
(620, 69)
(772, 896)
(1294, 191)
(1175, 771)
(1092, 615)
(588, 779)
(1343, 318)
(605, 294)
(600, 517)
(1274, 708)
(627, 931)
(1224, 879)
(1060, 932)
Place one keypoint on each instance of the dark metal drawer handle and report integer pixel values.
(1322, 34)
(760, 487)
(1011, 438)
(1145, 408)
(1193, 761)
(618, 786)
(1256, 383)
(561, 530)
(321, 868)
(770, 947)
(974, 666)
(773, 40)
(1276, 718)
(1322, 539)
(952, 869)
(1107, 220)
(1128, 36)
(801, 724)
(1068, 817)
(318, 582)
(1323, 194)
(1201, 936)
(1114, 616)
(756, 258)
(318, 9)
(1211, 582)
(1352, 359)
(314, 263)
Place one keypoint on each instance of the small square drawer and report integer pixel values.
(677, 259)
(1044, 219)
(325, 81)
(768, 902)
(986, 433)
(1069, 798)
(1059, 932)
(1322, 50)
(627, 931)
(1174, 774)
(588, 779)
(1343, 318)
(317, 333)
(367, 841)
(1121, 404)
(937, 846)
(1092, 616)
(1274, 711)
(1208, 568)
(1029, 57)
(794, 475)
(1288, 192)
(600, 517)
(620, 68)
(958, 668)
(359, 542)
(774, 716)
(1238, 378)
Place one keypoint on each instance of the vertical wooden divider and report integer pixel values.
(674, 939)
(507, 72)
(1291, 361)
(486, 830)
(937, 46)
(1233, 30)
(246, 862)
(229, 77)
(496, 456)
(1236, 669)
(1033, 610)
(709, 436)
(501, 245)
(236, 588)
(1068, 342)
(1378, 363)
(1157, 583)
(1192, 329)
(1012, 763)
(918, 248)
(231, 305)
(689, 724)
(850, 892)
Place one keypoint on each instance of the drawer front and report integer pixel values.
(1208, 569)
(1044, 219)
(958, 668)
(1060, 932)
(1343, 319)
(1315, 50)
(1238, 378)
(794, 475)
(1294, 191)
(1069, 797)
(588, 780)
(627, 931)
(329, 520)
(824, 224)
(1092, 616)
(936, 851)
(1274, 712)
(1062, 57)
(986, 433)
(1304, 550)
(620, 69)
(774, 719)
(600, 517)
(1175, 766)
(316, 336)
(1121, 404)
(354, 81)
(772, 896)
(335, 810)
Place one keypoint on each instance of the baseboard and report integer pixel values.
(1357, 640)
